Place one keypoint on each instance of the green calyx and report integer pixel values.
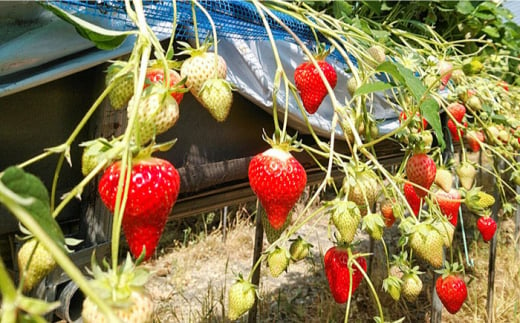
(285, 143)
(450, 269)
(116, 287)
(188, 50)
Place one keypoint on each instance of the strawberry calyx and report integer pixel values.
(192, 52)
(407, 270)
(322, 51)
(116, 286)
(476, 200)
(450, 269)
(286, 144)
(241, 280)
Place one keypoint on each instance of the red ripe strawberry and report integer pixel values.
(310, 85)
(452, 292)
(421, 170)
(403, 117)
(449, 203)
(154, 187)
(156, 75)
(278, 180)
(504, 85)
(388, 212)
(475, 139)
(487, 227)
(413, 199)
(338, 273)
(455, 133)
(457, 110)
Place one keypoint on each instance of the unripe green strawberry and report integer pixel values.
(485, 200)
(138, 310)
(299, 249)
(271, 233)
(123, 88)
(377, 55)
(352, 85)
(411, 287)
(346, 217)
(201, 66)
(373, 224)
(473, 67)
(42, 263)
(466, 172)
(427, 243)
(122, 290)
(277, 261)
(157, 113)
(474, 104)
(362, 188)
(458, 76)
(91, 154)
(392, 285)
(478, 201)
(241, 298)
(446, 230)
(444, 179)
(217, 97)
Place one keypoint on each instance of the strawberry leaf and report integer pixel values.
(372, 87)
(30, 193)
(430, 112)
(104, 39)
(428, 106)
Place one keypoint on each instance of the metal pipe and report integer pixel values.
(71, 299)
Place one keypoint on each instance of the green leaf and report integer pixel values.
(31, 188)
(430, 111)
(374, 5)
(341, 9)
(428, 106)
(465, 7)
(105, 39)
(413, 83)
(491, 31)
(373, 87)
(405, 77)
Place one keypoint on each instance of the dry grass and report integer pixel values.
(190, 280)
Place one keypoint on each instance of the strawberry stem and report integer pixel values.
(6, 287)
(195, 26)
(214, 31)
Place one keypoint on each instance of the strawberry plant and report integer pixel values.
(427, 84)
